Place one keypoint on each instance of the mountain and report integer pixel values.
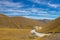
(25, 22)
(44, 21)
(18, 22)
(5, 21)
(53, 26)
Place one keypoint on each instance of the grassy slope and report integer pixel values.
(53, 26)
(6, 22)
(25, 23)
(17, 22)
(14, 34)
(23, 34)
(8, 27)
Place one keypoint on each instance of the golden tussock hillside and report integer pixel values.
(53, 26)
(18, 22)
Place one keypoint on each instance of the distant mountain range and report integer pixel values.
(19, 22)
(45, 21)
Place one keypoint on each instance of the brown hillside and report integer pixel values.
(22, 22)
(53, 26)
(17, 22)
(5, 21)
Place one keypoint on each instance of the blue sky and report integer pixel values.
(35, 9)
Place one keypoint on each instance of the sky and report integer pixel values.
(35, 9)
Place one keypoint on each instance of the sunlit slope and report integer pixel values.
(22, 22)
(15, 34)
(53, 26)
(17, 22)
(6, 22)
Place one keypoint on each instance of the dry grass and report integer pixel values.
(14, 34)
(53, 26)
(18, 22)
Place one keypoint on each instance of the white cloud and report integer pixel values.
(14, 8)
(11, 4)
(38, 1)
(33, 17)
(16, 12)
(25, 12)
(53, 5)
(45, 3)
(45, 14)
